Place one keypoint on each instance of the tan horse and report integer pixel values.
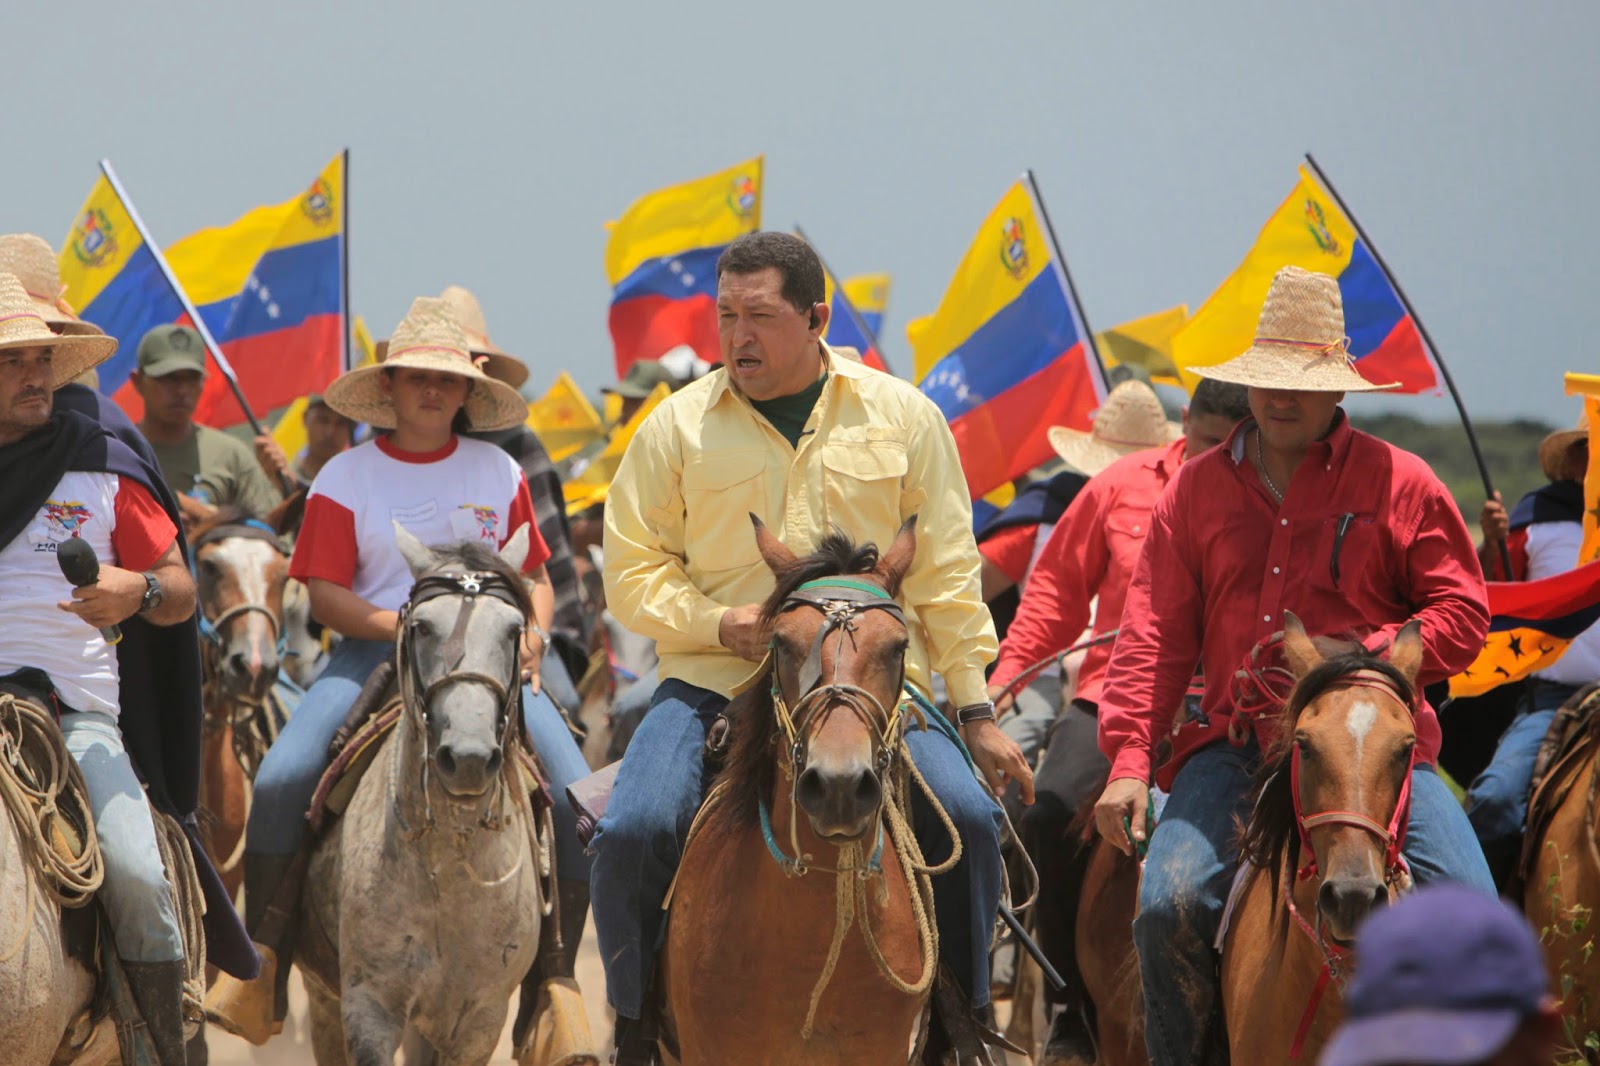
(241, 573)
(1324, 842)
(794, 934)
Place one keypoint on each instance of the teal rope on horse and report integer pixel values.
(942, 724)
(795, 866)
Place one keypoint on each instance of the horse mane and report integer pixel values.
(229, 515)
(472, 555)
(1269, 836)
(748, 769)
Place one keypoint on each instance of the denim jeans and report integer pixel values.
(658, 790)
(1497, 802)
(295, 763)
(135, 893)
(1190, 868)
(629, 710)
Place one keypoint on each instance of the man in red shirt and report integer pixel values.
(1296, 511)
(1090, 553)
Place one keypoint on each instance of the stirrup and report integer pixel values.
(637, 1043)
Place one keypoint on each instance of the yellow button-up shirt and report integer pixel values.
(680, 549)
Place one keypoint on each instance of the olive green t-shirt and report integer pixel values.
(788, 414)
(220, 469)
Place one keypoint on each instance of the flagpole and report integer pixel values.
(1066, 272)
(183, 297)
(344, 255)
(1438, 357)
(850, 305)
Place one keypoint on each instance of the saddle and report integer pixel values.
(1568, 744)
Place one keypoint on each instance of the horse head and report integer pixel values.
(1351, 748)
(459, 643)
(838, 665)
(240, 573)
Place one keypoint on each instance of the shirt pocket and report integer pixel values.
(1348, 556)
(720, 493)
(1125, 534)
(862, 489)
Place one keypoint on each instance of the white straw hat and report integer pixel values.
(1300, 344)
(23, 326)
(468, 313)
(427, 339)
(1131, 420)
(33, 262)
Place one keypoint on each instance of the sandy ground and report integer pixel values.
(292, 1047)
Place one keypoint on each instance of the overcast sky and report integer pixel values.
(490, 142)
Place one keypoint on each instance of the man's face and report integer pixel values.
(170, 400)
(25, 380)
(327, 432)
(769, 347)
(1201, 433)
(425, 401)
(1291, 421)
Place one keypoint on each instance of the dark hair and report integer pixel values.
(792, 257)
(1220, 398)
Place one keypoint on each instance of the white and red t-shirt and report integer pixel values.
(467, 490)
(126, 527)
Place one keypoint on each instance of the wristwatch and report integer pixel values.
(153, 594)
(541, 634)
(977, 712)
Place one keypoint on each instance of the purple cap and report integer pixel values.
(1445, 976)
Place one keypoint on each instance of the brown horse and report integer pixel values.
(1562, 893)
(801, 842)
(241, 572)
(1323, 843)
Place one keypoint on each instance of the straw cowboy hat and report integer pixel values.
(22, 325)
(468, 313)
(1300, 343)
(33, 262)
(1553, 449)
(428, 338)
(1131, 420)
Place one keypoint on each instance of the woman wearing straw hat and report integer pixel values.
(442, 487)
(1543, 536)
(1295, 511)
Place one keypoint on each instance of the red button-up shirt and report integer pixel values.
(1091, 552)
(1224, 560)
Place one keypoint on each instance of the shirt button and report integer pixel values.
(1274, 569)
(1283, 521)
(1266, 618)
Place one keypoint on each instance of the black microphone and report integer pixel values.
(81, 566)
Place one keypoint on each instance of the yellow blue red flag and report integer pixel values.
(1007, 355)
(270, 287)
(1531, 624)
(1309, 230)
(661, 261)
(848, 327)
(869, 294)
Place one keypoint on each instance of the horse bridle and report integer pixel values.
(211, 630)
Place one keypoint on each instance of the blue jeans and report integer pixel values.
(658, 791)
(134, 893)
(1190, 868)
(1497, 802)
(295, 763)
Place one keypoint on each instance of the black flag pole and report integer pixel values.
(855, 313)
(1066, 274)
(1438, 357)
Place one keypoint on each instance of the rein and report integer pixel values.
(211, 629)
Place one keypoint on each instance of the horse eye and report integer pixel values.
(1303, 743)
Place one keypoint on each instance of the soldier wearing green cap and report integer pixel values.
(205, 468)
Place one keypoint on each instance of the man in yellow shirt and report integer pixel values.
(788, 431)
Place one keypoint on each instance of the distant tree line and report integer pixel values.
(1510, 448)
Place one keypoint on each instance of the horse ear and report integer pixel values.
(772, 549)
(1406, 654)
(1298, 650)
(898, 559)
(417, 555)
(515, 553)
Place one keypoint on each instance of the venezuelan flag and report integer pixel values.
(661, 260)
(269, 287)
(869, 293)
(1308, 230)
(847, 326)
(1531, 625)
(1006, 355)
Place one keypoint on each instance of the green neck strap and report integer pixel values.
(841, 583)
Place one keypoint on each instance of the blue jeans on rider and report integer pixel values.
(135, 893)
(1190, 869)
(1497, 802)
(659, 786)
(295, 763)
(555, 680)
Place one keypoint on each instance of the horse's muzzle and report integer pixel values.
(250, 671)
(840, 804)
(1345, 902)
(466, 771)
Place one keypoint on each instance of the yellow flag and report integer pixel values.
(361, 347)
(290, 432)
(590, 485)
(564, 419)
(1588, 386)
(1145, 343)
(613, 408)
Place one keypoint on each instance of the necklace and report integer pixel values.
(1261, 464)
